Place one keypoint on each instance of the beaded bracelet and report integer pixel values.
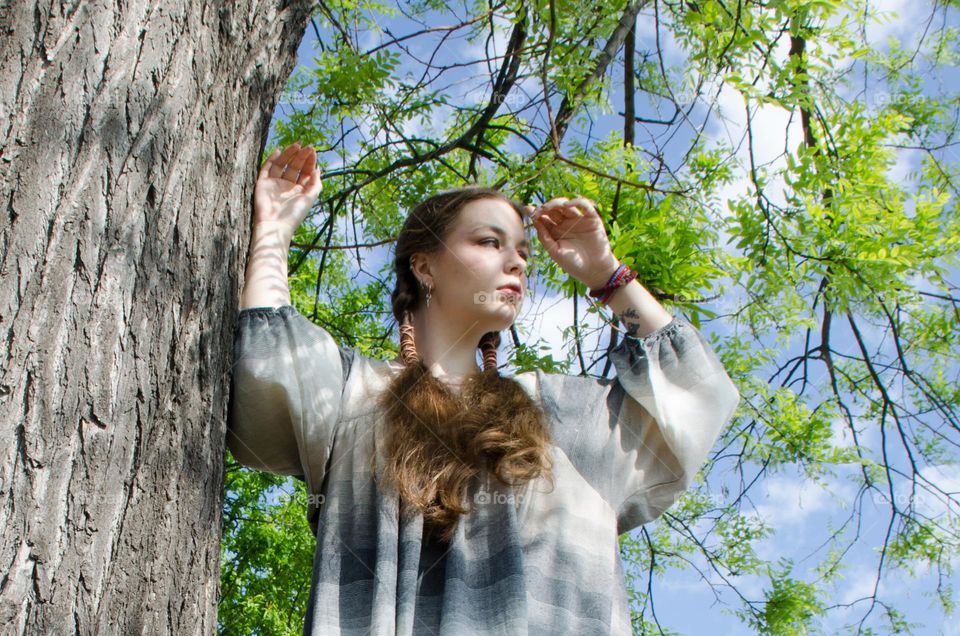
(620, 277)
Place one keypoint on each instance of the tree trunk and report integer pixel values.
(130, 137)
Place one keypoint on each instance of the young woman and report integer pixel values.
(447, 498)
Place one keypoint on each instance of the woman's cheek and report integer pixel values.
(475, 267)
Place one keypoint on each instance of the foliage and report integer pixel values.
(266, 554)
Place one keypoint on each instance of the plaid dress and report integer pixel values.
(532, 560)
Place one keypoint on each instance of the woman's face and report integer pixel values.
(485, 250)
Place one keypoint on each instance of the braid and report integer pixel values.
(404, 299)
(488, 345)
(408, 348)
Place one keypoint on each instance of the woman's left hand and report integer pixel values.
(574, 236)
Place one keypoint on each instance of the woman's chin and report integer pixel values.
(498, 312)
(508, 311)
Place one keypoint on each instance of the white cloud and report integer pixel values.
(647, 37)
(783, 501)
(858, 583)
(840, 436)
(787, 502)
(938, 500)
(868, 436)
(890, 18)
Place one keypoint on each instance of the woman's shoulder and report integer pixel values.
(530, 381)
(368, 378)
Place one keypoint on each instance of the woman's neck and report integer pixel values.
(448, 351)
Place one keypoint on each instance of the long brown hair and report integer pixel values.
(438, 443)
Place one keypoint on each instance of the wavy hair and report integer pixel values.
(437, 442)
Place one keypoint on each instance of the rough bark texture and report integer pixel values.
(130, 135)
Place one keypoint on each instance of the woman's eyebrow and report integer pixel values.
(499, 230)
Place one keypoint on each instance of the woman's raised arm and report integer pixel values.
(288, 184)
(265, 284)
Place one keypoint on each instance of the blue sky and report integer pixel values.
(799, 509)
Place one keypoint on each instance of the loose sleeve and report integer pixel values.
(286, 392)
(640, 438)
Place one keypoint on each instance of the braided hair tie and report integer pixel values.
(619, 278)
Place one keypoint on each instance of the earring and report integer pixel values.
(429, 288)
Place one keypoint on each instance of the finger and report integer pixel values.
(558, 215)
(265, 168)
(547, 225)
(301, 163)
(278, 164)
(545, 238)
(547, 220)
(278, 167)
(314, 185)
(283, 161)
(586, 206)
(577, 207)
(556, 202)
(535, 211)
(306, 166)
(560, 209)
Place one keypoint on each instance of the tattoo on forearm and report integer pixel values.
(629, 319)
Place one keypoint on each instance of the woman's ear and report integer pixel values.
(420, 265)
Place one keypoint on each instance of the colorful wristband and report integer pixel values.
(619, 278)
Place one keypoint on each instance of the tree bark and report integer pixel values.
(130, 138)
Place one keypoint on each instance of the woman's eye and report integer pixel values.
(523, 255)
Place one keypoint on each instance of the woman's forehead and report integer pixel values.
(490, 214)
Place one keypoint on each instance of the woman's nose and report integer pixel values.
(517, 264)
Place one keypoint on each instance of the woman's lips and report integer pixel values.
(511, 291)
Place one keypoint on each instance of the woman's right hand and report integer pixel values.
(287, 186)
